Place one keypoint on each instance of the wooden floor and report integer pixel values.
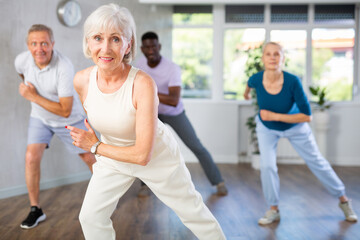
(307, 210)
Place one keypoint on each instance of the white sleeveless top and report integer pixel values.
(112, 114)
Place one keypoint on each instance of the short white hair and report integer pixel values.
(273, 43)
(111, 17)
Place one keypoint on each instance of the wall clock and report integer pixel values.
(69, 13)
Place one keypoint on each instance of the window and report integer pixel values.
(319, 40)
(333, 50)
(237, 44)
(327, 41)
(333, 61)
(192, 49)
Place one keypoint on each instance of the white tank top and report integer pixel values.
(112, 114)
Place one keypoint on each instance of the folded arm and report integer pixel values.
(62, 108)
(146, 103)
(172, 98)
(267, 115)
(247, 95)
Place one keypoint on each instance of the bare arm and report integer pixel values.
(62, 108)
(172, 98)
(146, 104)
(287, 118)
(81, 83)
(247, 93)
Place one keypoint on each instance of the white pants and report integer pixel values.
(167, 177)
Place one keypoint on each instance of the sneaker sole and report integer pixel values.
(222, 194)
(351, 219)
(40, 219)
(268, 222)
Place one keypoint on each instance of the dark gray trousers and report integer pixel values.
(183, 128)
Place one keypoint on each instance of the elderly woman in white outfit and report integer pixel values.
(121, 103)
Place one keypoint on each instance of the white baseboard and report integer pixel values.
(290, 161)
(51, 183)
(345, 162)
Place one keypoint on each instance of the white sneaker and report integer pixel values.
(348, 211)
(270, 217)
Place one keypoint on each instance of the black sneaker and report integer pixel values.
(35, 216)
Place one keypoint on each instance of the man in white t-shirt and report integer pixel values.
(48, 85)
(167, 76)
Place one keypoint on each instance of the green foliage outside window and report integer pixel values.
(339, 90)
(320, 57)
(192, 18)
(234, 83)
(297, 64)
(254, 63)
(237, 43)
(192, 51)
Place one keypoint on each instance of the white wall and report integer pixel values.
(343, 141)
(216, 125)
(58, 166)
(230, 134)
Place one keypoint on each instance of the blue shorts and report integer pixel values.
(38, 132)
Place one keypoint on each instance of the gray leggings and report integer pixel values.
(182, 126)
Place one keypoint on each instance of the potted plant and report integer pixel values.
(320, 104)
(254, 65)
(321, 116)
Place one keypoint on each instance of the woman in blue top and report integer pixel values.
(284, 112)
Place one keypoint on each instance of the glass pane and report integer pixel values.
(192, 19)
(340, 14)
(294, 44)
(192, 9)
(237, 43)
(289, 13)
(333, 62)
(244, 14)
(192, 51)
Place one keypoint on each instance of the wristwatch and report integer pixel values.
(94, 147)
